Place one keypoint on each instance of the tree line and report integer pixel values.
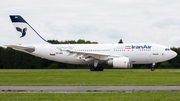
(12, 59)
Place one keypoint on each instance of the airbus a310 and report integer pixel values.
(115, 55)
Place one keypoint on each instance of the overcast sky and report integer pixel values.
(103, 21)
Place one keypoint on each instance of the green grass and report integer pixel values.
(112, 96)
(83, 77)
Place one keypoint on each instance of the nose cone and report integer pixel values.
(173, 54)
(170, 55)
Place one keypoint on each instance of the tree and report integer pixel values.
(120, 41)
(7, 58)
(165, 65)
(88, 42)
(53, 66)
(53, 41)
(175, 61)
(81, 41)
(94, 42)
(1, 52)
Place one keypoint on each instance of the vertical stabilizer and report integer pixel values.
(25, 32)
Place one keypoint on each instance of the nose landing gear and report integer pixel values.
(153, 67)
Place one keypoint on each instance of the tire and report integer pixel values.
(101, 69)
(152, 69)
(97, 69)
(92, 69)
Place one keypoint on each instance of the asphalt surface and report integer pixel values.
(88, 88)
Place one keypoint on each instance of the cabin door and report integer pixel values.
(155, 50)
(52, 51)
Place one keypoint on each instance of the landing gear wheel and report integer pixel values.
(153, 64)
(97, 69)
(92, 68)
(101, 69)
(152, 69)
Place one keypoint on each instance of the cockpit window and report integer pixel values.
(167, 49)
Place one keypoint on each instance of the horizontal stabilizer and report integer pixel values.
(29, 49)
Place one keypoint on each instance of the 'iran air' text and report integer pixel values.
(141, 47)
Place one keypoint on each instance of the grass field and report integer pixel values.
(107, 96)
(83, 77)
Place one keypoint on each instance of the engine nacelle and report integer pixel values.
(121, 62)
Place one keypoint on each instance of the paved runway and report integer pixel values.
(89, 88)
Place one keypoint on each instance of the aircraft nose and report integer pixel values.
(170, 55)
(174, 54)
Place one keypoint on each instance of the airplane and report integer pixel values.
(93, 55)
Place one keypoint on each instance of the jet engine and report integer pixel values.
(121, 62)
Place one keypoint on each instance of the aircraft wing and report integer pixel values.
(99, 56)
(28, 49)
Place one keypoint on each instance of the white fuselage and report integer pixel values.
(137, 53)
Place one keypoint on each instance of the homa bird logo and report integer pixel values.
(22, 31)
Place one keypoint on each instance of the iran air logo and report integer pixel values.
(23, 31)
(138, 47)
(128, 47)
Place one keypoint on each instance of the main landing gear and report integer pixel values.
(96, 69)
(153, 68)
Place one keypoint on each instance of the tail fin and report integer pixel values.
(25, 32)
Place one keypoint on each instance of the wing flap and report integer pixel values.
(99, 56)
